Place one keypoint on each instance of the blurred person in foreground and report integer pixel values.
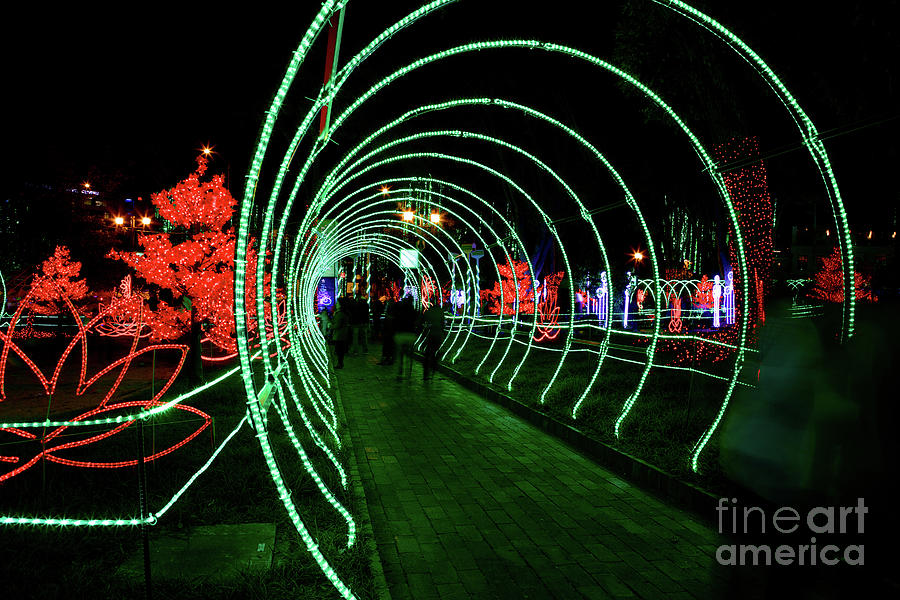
(404, 334)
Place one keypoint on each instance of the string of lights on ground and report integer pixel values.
(304, 240)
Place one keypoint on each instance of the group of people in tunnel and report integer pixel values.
(397, 324)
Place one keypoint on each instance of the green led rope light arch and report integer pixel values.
(500, 241)
(514, 234)
(698, 147)
(393, 222)
(345, 247)
(462, 219)
(494, 102)
(710, 166)
(250, 191)
(508, 181)
(422, 155)
(515, 186)
(512, 184)
(406, 117)
(381, 247)
(704, 156)
(547, 221)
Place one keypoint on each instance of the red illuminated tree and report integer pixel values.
(57, 280)
(703, 298)
(195, 261)
(748, 188)
(828, 283)
(491, 298)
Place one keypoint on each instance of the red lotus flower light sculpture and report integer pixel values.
(50, 447)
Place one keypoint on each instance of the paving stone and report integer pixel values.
(469, 501)
(475, 583)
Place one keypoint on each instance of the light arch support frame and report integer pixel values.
(508, 181)
(718, 180)
(249, 192)
(297, 267)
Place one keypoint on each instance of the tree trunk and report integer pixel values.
(195, 362)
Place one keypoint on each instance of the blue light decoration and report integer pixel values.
(729, 299)
(325, 294)
(458, 299)
(410, 290)
(603, 301)
(717, 294)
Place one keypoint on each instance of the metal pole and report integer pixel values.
(142, 498)
(153, 395)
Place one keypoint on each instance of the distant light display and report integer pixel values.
(603, 301)
(717, 295)
(325, 294)
(627, 292)
(728, 295)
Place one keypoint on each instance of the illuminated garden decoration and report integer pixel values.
(275, 219)
(430, 292)
(703, 298)
(629, 287)
(603, 301)
(491, 297)
(199, 270)
(548, 310)
(325, 294)
(728, 294)
(55, 283)
(120, 321)
(675, 318)
(827, 283)
(717, 296)
(58, 444)
(748, 188)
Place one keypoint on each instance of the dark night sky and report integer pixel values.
(141, 94)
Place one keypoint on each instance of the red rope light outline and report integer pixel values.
(49, 385)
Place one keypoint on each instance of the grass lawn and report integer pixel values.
(49, 562)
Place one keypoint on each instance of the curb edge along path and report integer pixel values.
(364, 521)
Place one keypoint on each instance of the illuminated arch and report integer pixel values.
(809, 136)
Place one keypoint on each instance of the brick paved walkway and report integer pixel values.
(469, 501)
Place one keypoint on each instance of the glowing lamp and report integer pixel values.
(408, 215)
(145, 220)
(639, 256)
(385, 190)
(207, 151)
(120, 221)
(87, 185)
(435, 217)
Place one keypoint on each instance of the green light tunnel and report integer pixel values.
(362, 222)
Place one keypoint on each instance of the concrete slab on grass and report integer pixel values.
(206, 553)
